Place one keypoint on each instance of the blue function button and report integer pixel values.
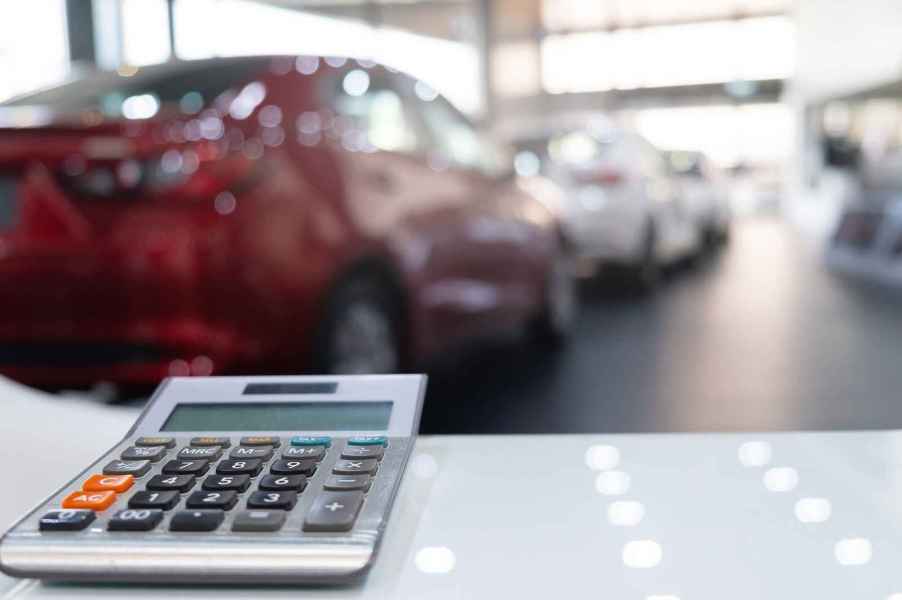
(368, 440)
(311, 440)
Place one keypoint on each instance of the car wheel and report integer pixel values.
(361, 332)
(646, 271)
(560, 305)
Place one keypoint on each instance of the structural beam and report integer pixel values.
(80, 26)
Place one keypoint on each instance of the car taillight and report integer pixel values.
(602, 177)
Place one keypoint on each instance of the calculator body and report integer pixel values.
(283, 498)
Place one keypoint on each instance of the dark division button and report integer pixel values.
(186, 467)
(259, 520)
(66, 520)
(293, 467)
(307, 452)
(211, 441)
(333, 511)
(151, 453)
(261, 452)
(160, 500)
(209, 452)
(243, 466)
(280, 500)
(166, 442)
(135, 520)
(178, 483)
(348, 482)
(355, 467)
(227, 482)
(260, 440)
(125, 467)
(278, 483)
(223, 500)
(196, 520)
(375, 452)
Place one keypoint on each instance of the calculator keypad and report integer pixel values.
(199, 484)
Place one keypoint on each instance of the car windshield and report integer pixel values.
(139, 93)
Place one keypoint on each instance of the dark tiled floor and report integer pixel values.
(758, 338)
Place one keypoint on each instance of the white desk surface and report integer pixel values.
(657, 517)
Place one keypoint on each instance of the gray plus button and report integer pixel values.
(333, 511)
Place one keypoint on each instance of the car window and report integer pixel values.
(456, 140)
(377, 111)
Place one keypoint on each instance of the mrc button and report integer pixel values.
(208, 452)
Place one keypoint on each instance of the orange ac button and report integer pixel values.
(91, 500)
(112, 483)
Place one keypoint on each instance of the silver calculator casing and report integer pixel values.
(223, 556)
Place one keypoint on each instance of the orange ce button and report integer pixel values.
(91, 500)
(113, 483)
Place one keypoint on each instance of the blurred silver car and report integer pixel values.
(704, 193)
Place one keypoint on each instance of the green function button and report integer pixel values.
(308, 440)
(368, 440)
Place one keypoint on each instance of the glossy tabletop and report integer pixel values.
(657, 517)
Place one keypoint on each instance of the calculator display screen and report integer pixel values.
(280, 416)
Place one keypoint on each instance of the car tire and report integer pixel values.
(555, 322)
(361, 331)
(645, 273)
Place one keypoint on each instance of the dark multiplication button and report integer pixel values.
(126, 467)
(135, 520)
(355, 467)
(150, 499)
(261, 452)
(165, 442)
(348, 482)
(278, 483)
(260, 440)
(223, 500)
(259, 520)
(238, 483)
(223, 442)
(66, 520)
(196, 520)
(279, 500)
(333, 511)
(177, 483)
(293, 467)
(151, 453)
(372, 451)
(304, 452)
(186, 467)
(207, 452)
(243, 466)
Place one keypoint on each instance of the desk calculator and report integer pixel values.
(233, 479)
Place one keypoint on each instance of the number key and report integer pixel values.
(247, 466)
(293, 467)
(227, 482)
(279, 483)
(280, 500)
(186, 467)
(66, 520)
(151, 453)
(160, 500)
(135, 520)
(178, 483)
(224, 500)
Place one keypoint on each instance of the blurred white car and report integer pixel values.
(704, 192)
(622, 204)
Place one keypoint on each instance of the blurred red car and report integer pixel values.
(260, 214)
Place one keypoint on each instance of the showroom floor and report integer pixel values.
(758, 338)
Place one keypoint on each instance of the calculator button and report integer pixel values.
(178, 483)
(261, 452)
(249, 466)
(166, 442)
(151, 453)
(371, 451)
(348, 482)
(355, 467)
(223, 500)
(279, 500)
(227, 482)
(208, 452)
(135, 520)
(314, 452)
(91, 500)
(259, 520)
(211, 441)
(186, 467)
(66, 520)
(333, 511)
(161, 500)
(196, 520)
(111, 483)
(367, 440)
(124, 467)
(308, 440)
(278, 483)
(293, 467)
(261, 440)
